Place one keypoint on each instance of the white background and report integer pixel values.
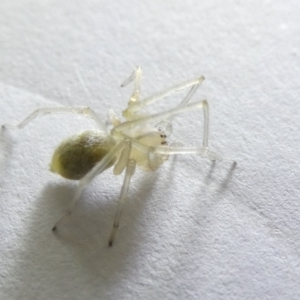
(191, 230)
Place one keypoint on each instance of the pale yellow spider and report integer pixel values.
(139, 140)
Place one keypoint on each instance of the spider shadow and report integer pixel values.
(209, 175)
(224, 185)
(84, 236)
(6, 147)
(213, 171)
(87, 230)
(208, 178)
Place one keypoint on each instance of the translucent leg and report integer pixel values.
(134, 107)
(173, 150)
(113, 120)
(192, 91)
(87, 179)
(166, 125)
(183, 107)
(134, 142)
(124, 191)
(136, 77)
(159, 117)
(86, 111)
(124, 157)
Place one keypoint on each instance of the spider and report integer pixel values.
(140, 140)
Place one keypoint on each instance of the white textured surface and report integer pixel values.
(190, 230)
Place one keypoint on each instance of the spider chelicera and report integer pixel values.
(139, 140)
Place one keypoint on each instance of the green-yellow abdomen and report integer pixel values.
(78, 154)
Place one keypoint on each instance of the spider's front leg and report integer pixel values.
(204, 150)
(167, 150)
(182, 150)
(135, 106)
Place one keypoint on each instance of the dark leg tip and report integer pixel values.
(54, 228)
(110, 244)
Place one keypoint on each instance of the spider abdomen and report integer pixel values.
(78, 154)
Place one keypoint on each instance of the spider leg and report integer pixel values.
(136, 77)
(159, 116)
(202, 151)
(124, 191)
(136, 106)
(82, 110)
(168, 150)
(87, 179)
(174, 150)
(181, 150)
(166, 125)
(124, 157)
